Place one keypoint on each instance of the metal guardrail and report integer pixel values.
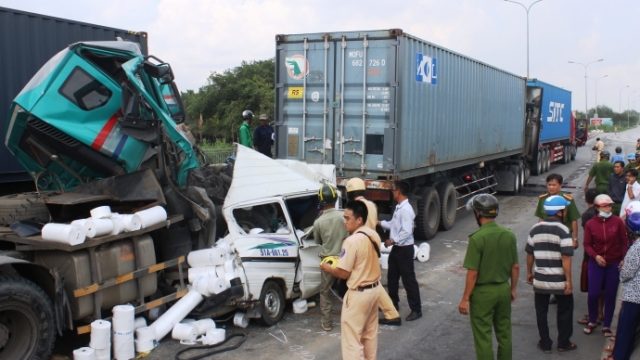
(217, 156)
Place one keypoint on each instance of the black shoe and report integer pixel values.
(414, 316)
(544, 348)
(393, 322)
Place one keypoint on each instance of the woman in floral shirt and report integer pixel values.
(630, 280)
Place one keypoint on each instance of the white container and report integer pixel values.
(145, 339)
(203, 325)
(300, 306)
(101, 212)
(185, 333)
(84, 353)
(241, 320)
(100, 335)
(213, 336)
(384, 261)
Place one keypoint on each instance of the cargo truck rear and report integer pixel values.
(27, 41)
(384, 105)
(551, 127)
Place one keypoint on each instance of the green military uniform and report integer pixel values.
(492, 252)
(571, 214)
(601, 171)
(328, 231)
(244, 134)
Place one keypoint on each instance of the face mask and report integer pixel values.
(604, 214)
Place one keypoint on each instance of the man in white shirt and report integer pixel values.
(401, 256)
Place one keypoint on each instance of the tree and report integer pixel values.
(226, 95)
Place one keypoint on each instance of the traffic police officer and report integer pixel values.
(491, 261)
(571, 216)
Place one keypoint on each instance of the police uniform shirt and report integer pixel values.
(372, 212)
(492, 251)
(359, 257)
(572, 213)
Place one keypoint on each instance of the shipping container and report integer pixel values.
(554, 105)
(384, 103)
(551, 128)
(27, 41)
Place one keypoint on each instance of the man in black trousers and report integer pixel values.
(401, 256)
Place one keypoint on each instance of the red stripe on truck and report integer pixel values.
(104, 132)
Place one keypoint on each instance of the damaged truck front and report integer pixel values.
(100, 124)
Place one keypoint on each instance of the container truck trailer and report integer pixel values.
(385, 105)
(27, 41)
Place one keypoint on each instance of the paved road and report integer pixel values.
(442, 333)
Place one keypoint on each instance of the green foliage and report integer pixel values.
(220, 103)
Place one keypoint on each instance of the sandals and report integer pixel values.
(584, 320)
(569, 347)
(607, 332)
(589, 328)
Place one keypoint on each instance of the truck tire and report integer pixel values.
(537, 169)
(545, 160)
(517, 182)
(448, 204)
(428, 218)
(272, 303)
(574, 150)
(23, 206)
(566, 155)
(27, 328)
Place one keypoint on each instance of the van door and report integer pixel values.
(308, 275)
(266, 243)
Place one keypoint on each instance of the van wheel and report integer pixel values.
(449, 203)
(272, 303)
(23, 206)
(428, 218)
(27, 326)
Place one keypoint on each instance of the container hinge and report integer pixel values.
(317, 149)
(312, 138)
(350, 140)
(343, 44)
(355, 152)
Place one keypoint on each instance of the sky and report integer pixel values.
(200, 37)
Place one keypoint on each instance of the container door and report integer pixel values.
(365, 85)
(304, 98)
(335, 99)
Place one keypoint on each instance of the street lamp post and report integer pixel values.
(628, 108)
(586, 67)
(526, 9)
(598, 78)
(620, 97)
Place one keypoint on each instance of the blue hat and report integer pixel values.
(554, 203)
(633, 222)
(631, 156)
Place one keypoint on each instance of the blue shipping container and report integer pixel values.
(554, 105)
(384, 103)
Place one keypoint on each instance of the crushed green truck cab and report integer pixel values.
(92, 111)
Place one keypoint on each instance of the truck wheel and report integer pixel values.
(517, 180)
(272, 303)
(537, 170)
(545, 160)
(23, 206)
(428, 218)
(449, 204)
(27, 329)
(566, 155)
(574, 150)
